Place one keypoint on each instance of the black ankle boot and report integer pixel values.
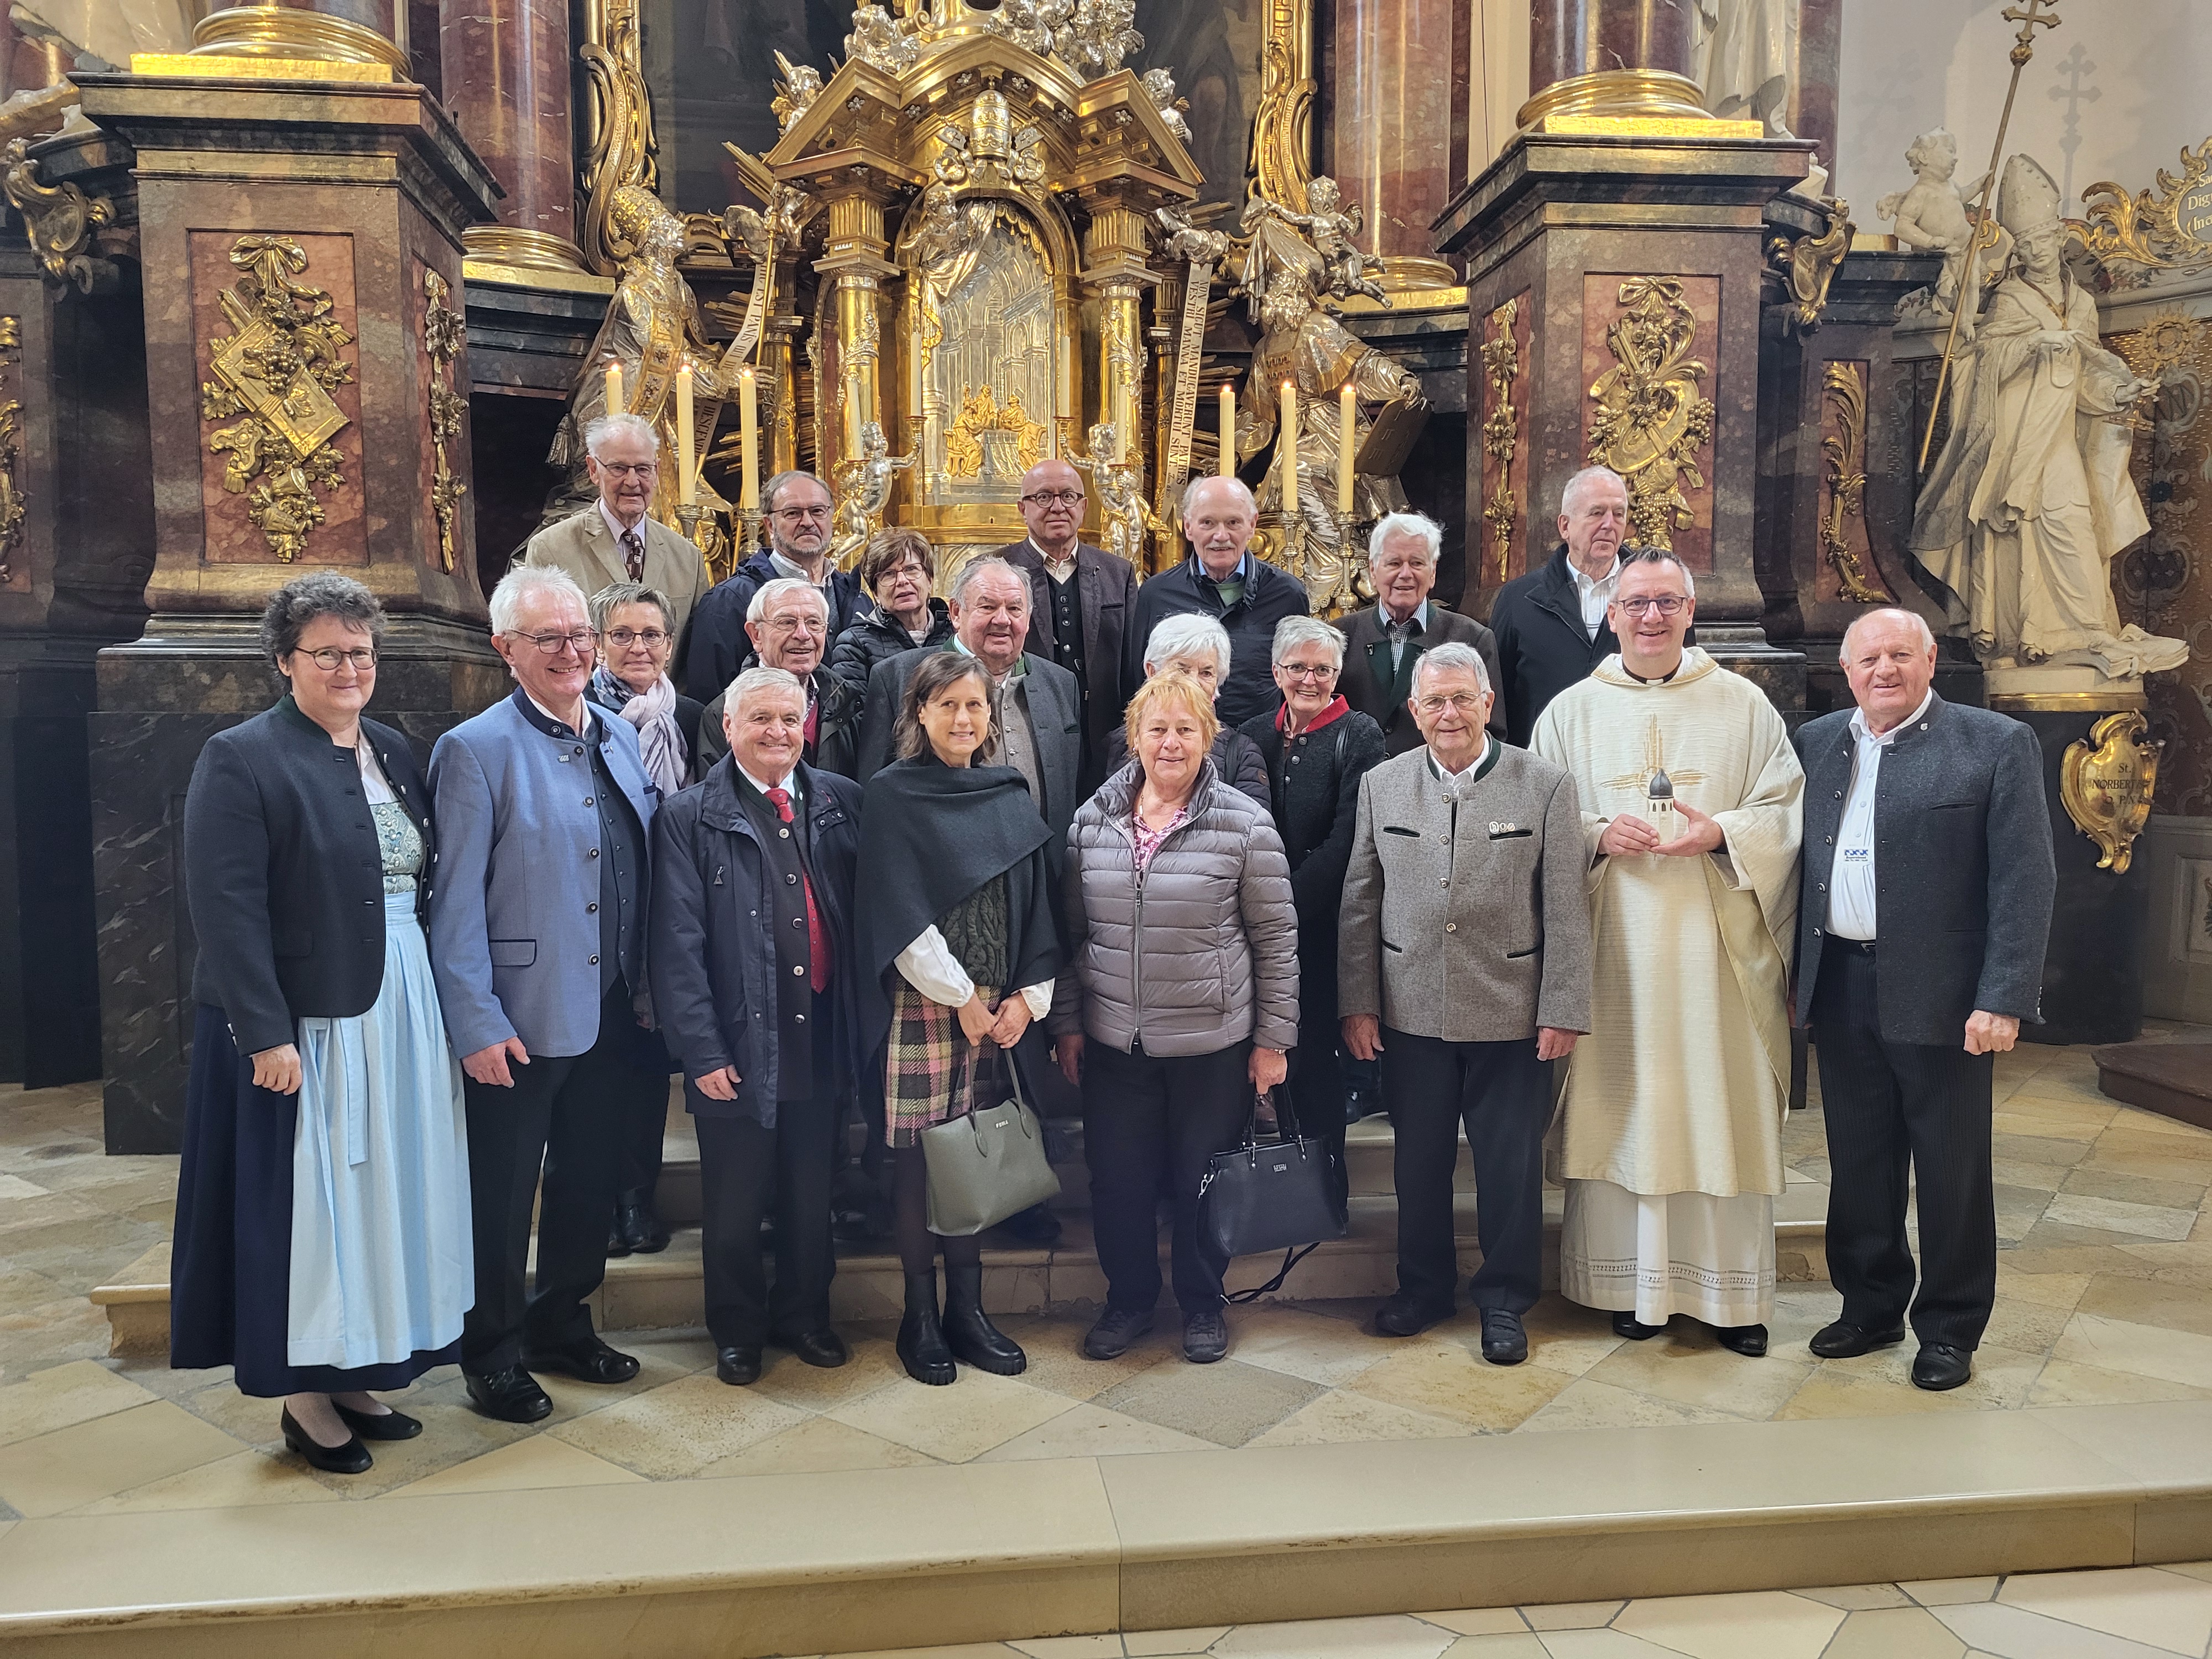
(968, 1329)
(920, 1343)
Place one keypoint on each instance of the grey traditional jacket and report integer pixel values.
(1964, 879)
(1468, 923)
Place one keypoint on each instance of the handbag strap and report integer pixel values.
(1292, 1257)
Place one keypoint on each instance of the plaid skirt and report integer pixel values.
(931, 1072)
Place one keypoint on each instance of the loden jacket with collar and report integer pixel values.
(1963, 869)
(1537, 621)
(713, 962)
(582, 545)
(1106, 585)
(1468, 923)
(1366, 682)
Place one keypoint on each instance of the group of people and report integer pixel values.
(1179, 857)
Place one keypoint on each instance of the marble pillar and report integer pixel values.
(505, 64)
(377, 14)
(357, 192)
(1388, 127)
(1569, 39)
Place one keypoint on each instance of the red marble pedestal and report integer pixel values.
(1389, 127)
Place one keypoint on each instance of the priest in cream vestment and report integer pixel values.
(1669, 1135)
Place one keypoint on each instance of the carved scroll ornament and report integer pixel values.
(1501, 428)
(1650, 422)
(623, 149)
(1843, 388)
(443, 333)
(1808, 263)
(2170, 229)
(59, 219)
(12, 505)
(2106, 781)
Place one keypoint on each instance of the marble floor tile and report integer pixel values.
(2069, 1383)
(67, 1468)
(1949, 1592)
(245, 1480)
(675, 1431)
(1603, 1644)
(2044, 1289)
(1572, 1615)
(1894, 1633)
(2143, 1604)
(62, 1395)
(1328, 1352)
(874, 1364)
(1452, 1384)
(1229, 1403)
(2088, 1181)
(1070, 1647)
(1341, 1415)
(1563, 1337)
(1394, 1635)
(2022, 1173)
(2116, 1345)
(2201, 1570)
(1588, 1404)
(1053, 1343)
(2016, 1633)
(1524, 1645)
(1694, 1370)
(530, 1465)
(2147, 1301)
(1479, 1621)
(1755, 1624)
(820, 1445)
(1089, 1430)
(1153, 1644)
(2112, 1215)
(2038, 1149)
(2026, 1327)
(1859, 1598)
(953, 1424)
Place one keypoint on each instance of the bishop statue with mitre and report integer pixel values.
(1669, 1135)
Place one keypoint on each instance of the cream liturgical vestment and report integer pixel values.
(1669, 1136)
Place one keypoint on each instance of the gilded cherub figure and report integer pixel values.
(795, 92)
(864, 490)
(877, 39)
(1159, 86)
(1120, 486)
(1331, 227)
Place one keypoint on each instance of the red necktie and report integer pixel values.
(818, 937)
(634, 555)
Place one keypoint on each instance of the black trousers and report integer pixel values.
(1315, 1094)
(1500, 1093)
(747, 1171)
(1150, 1124)
(563, 1117)
(1897, 1112)
(643, 1108)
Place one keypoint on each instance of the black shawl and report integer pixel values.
(930, 836)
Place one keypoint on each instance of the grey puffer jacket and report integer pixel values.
(1200, 955)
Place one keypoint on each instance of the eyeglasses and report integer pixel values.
(580, 639)
(328, 658)
(1465, 702)
(1054, 498)
(800, 514)
(1666, 604)
(651, 638)
(796, 625)
(1306, 671)
(630, 468)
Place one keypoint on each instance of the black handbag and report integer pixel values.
(1270, 1195)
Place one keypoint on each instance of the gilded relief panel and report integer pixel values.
(262, 501)
(1502, 541)
(1649, 345)
(988, 359)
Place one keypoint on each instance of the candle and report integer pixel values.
(1287, 449)
(615, 404)
(1228, 429)
(749, 439)
(1347, 409)
(687, 459)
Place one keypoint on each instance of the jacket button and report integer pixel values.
(592, 908)
(1452, 928)
(797, 921)
(593, 853)
(791, 881)
(1820, 887)
(1832, 840)
(799, 970)
(595, 962)
(588, 801)
(799, 1020)
(1816, 932)
(1294, 760)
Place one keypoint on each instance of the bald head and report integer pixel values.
(1889, 658)
(1052, 507)
(1884, 621)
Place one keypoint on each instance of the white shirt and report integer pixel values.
(782, 783)
(618, 528)
(1595, 593)
(1059, 569)
(930, 967)
(1453, 781)
(1851, 881)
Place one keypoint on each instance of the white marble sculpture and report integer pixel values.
(1744, 55)
(2030, 500)
(1936, 216)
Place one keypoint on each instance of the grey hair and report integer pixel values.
(1420, 526)
(526, 578)
(975, 567)
(1588, 475)
(615, 595)
(1188, 634)
(1190, 493)
(1635, 555)
(775, 486)
(760, 678)
(323, 593)
(769, 592)
(1919, 623)
(1292, 632)
(600, 427)
(1464, 658)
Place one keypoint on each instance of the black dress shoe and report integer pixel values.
(390, 1425)
(1628, 1325)
(738, 1365)
(1503, 1341)
(588, 1362)
(1939, 1366)
(824, 1347)
(1036, 1227)
(617, 1241)
(511, 1395)
(641, 1229)
(1408, 1315)
(1749, 1341)
(1843, 1340)
(352, 1458)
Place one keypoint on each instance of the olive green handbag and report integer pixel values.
(985, 1166)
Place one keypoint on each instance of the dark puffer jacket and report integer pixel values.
(1203, 951)
(876, 638)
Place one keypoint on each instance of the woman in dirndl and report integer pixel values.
(322, 1235)
(956, 924)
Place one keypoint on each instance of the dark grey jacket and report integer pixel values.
(1964, 878)
(1200, 954)
(1537, 621)
(1365, 682)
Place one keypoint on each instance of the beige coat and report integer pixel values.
(584, 547)
(1466, 923)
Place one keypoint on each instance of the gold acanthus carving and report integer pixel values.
(980, 414)
(1651, 422)
(622, 148)
(59, 219)
(1843, 388)
(1808, 263)
(443, 333)
(12, 503)
(1501, 428)
(1282, 125)
(2105, 782)
(273, 379)
(2168, 229)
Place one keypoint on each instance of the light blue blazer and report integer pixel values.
(511, 934)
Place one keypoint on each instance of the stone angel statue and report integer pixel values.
(864, 490)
